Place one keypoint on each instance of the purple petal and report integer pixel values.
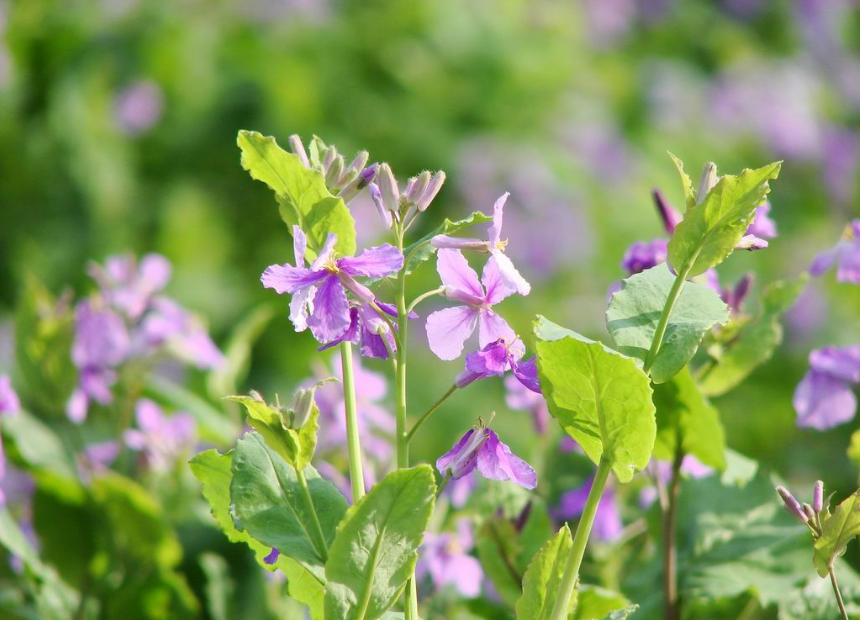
(272, 558)
(526, 372)
(607, 522)
(494, 233)
(77, 406)
(671, 218)
(289, 279)
(497, 462)
(510, 276)
(300, 245)
(494, 281)
(300, 307)
(644, 255)
(9, 402)
(762, 225)
(493, 327)
(455, 272)
(330, 317)
(101, 338)
(391, 310)
(823, 402)
(326, 254)
(842, 363)
(376, 262)
(824, 261)
(351, 334)
(493, 359)
(448, 329)
(461, 459)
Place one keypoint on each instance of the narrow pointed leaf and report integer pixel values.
(600, 397)
(686, 183)
(377, 543)
(543, 577)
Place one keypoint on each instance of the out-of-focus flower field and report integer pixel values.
(118, 125)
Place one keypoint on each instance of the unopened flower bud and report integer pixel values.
(818, 497)
(430, 192)
(328, 158)
(388, 188)
(257, 396)
(670, 217)
(417, 185)
(357, 183)
(809, 512)
(335, 170)
(441, 242)
(303, 404)
(751, 243)
(708, 181)
(355, 167)
(384, 213)
(792, 506)
(298, 149)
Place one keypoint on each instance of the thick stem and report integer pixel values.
(429, 412)
(316, 529)
(580, 539)
(356, 473)
(674, 294)
(670, 553)
(837, 593)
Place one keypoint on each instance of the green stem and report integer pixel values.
(670, 554)
(422, 297)
(316, 530)
(429, 412)
(837, 593)
(674, 294)
(356, 473)
(580, 540)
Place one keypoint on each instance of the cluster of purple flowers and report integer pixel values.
(128, 319)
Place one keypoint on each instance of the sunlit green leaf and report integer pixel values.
(840, 528)
(542, 579)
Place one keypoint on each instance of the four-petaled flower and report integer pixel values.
(845, 255)
(495, 359)
(494, 244)
(824, 399)
(482, 448)
(448, 329)
(319, 292)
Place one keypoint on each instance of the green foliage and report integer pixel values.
(376, 546)
(756, 341)
(711, 229)
(39, 445)
(635, 311)
(686, 421)
(593, 603)
(271, 507)
(600, 397)
(686, 183)
(542, 579)
(237, 352)
(212, 424)
(837, 530)
(302, 195)
(421, 250)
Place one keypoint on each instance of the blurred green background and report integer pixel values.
(118, 121)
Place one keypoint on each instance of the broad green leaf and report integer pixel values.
(237, 353)
(594, 603)
(271, 507)
(421, 250)
(711, 229)
(214, 472)
(39, 445)
(377, 543)
(755, 342)
(498, 547)
(686, 183)
(635, 311)
(837, 531)
(301, 193)
(214, 425)
(687, 421)
(600, 397)
(543, 577)
(815, 601)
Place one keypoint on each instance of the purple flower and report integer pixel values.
(138, 107)
(494, 244)
(169, 324)
(607, 521)
(495, 359)
(272, 558)
(129, 287)
(9, 405)
(161, 438)
(448, 329)
(370, 330)
(644, 255)
(481, 448)
(824, 399)
(518, 396)
(845, 255)
(445, 559)
(734, 297)
(321, 289)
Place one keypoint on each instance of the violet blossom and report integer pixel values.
(607, 520)
(448, 329)
(845, 255)
(321, 289)
(824, 397)
(162, 438)
(445, 559)
(9, 406)
(494, 245)
(481, 447)
(495, 359)
(368, 329)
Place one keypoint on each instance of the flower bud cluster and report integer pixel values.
(345, 181)
(808, 514)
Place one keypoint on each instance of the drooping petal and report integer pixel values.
(493, 327)
(823, 261)
(330, 317)
(462, 458)
(455, 272)
(351, 334)
(289, 279)
(301, 305)
(823, 402)
(526, 373)
(510, 276)
(494, 233)
(751, 243)
(448, 329)
(497, 462)
(494, 281)
(493, 359)
(842, 363)
(376, 262)
(300, 245)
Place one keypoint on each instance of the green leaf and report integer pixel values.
(622, 614)
(39, 445)
(711, 229)
(301, 193)
(635, 311)
(377, 543)
(214, 425)
(543, 577)
(273, 426)
(594, 603)
(687, 421)
(600, 397)
(498, 547)
(756, 341)
(421, 250)
(836, 532)
(237, 353)
(686, 183)
(270, 505)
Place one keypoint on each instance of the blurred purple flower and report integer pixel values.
(735, 296)
(9, 406)
(845, 255)
(445, 559)
(459, 490)
(480, 447)
(691, 466)
(129, 286)
(138, 107)
(840, 164)
(518, 396)
(824, 397)
(495, 359)
(169, 324)
(162, 438)
(644, 255)
(448, 329)
(607, 521)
